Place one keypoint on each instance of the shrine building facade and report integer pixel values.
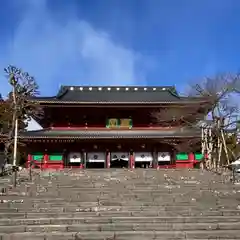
(109, 127)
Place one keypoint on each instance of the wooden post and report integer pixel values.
(45, 161)
(131, 160)
(155, 159)
(173, 158)
(191, 159)
(64, 159)
(225, 147)
(15, 143)
(107, 162)
(81, 164)
(84, 159)
(15, 122)
(29, 159)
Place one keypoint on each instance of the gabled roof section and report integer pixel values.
(116, 94)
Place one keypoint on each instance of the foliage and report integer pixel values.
(18, 105)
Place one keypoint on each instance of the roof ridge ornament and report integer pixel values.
(118, 88)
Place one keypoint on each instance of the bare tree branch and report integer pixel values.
(221, 108)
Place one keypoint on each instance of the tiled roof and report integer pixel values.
(97, 94)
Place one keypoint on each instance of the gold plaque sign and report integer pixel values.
(119, 123)
(125, 123)
(112, 123)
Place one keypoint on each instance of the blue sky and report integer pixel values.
(119, 42)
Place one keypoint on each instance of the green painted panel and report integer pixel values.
(38, 157)
(131, 124)
(182, 156)
(55, 157)
(198, 156)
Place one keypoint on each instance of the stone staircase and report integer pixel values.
(118, 204)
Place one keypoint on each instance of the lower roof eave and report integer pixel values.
(105, 137)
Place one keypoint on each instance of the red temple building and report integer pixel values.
(104, 127)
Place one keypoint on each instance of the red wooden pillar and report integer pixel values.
(191, 159)
(45, 161)
(84, 159)
(132, 160)
(29, 159)
(108, 157)
(81, 165)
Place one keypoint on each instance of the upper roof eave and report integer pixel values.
(57, 101)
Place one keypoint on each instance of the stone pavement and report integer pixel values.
(120, 204)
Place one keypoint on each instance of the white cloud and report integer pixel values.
(68, 51)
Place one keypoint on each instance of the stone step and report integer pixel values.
(125, 235)
(99, 186)
(121, 204)
(21, 200)
(125, 188)
(115, 190)
(140, 180)
(131, 185)
(46, 213)
(101, 220)
(55, 192)
(169, 200)
(78, 194)
(79, 207)
(116, 205)
(107, 188)
(83, 227)
(104, 195)
(168, 196)
(133, 200)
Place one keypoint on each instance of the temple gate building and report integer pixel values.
(105, 127)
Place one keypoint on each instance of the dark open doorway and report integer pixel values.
(96, 160)
(95, 165)
(146, 164)
(119, 164)
(143, 159)
(119, 160)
